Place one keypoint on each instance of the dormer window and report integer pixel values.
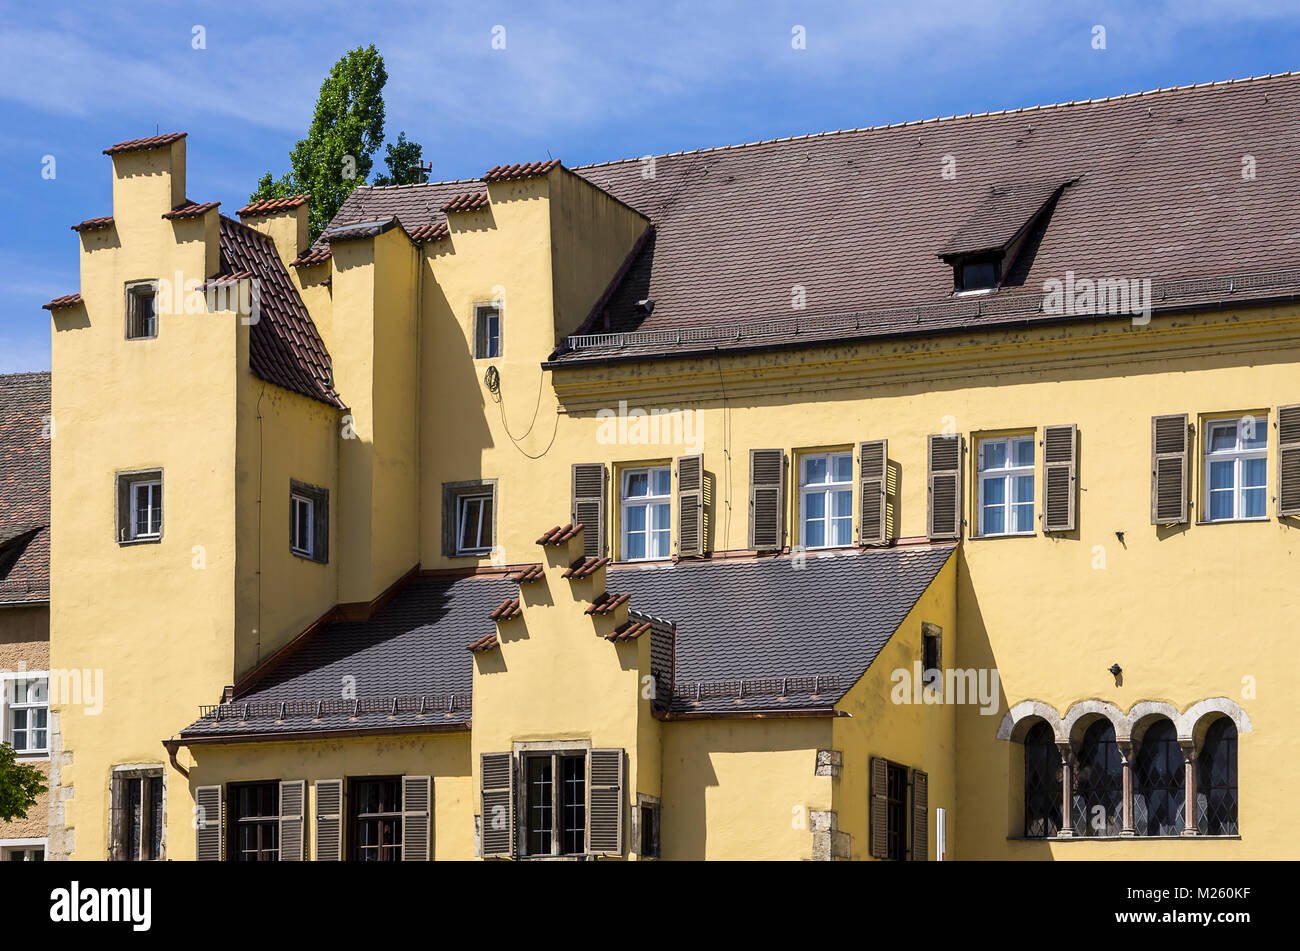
(976, 275)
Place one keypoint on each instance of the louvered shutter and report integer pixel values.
(329, 820)
(1288, 460)
(605, 802)
(209, 841)
(1170, 462)
(873, 464)
(920, 816)
(945, 463)
(766, 499)
(589, 506)
(497, 778)
(690, 505)
(1060, 477)
(417, 794)
(293, 799)
(879, 808)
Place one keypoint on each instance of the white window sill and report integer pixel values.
(1005, 535)
(141, 540)
(1233, 521)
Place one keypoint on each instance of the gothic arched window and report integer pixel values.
(1098, 795)
(1216, 780)
(1042, 782)
(1159, 800)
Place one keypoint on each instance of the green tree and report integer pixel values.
(403, 161)
(20, 784)
(346, 130)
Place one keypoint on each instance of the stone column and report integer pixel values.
(1126, 757)
(1189, 787)
(1067, 775)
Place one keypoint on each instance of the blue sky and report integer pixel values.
(582, 82)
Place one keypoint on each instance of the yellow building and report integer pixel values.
(909, 492)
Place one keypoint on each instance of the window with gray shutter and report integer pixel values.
(1170, 465)
(293, 801)
(766, 499)
(208, 832)
(690, 505)
(589, 506)
(329, 820)
(920, 816)
(873, 516)
(605, 802)
(417, 802)
(497, 778)
(1060, 477)
(945, 485)
(879, 793)
(1288, 460)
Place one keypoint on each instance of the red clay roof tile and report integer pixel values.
(607, 603)
(628, 631)
(312, 256)
(469, 201)
(506, 610)
(94, 224)
(138, 145)
(67, 300)
(527, 574)
(485, 643)
(191, 210)
(502, 173)
(270, 206)
(585, 568)
(558, 535)
(426, 233)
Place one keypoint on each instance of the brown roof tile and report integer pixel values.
(527, 574)
(191, 209)
(585, 568)
(67, 300)
(24, 487)
(138, 145)
(628, 631)
(608, 603)
(485, 643)
(270, 206)
(426, 233)
(502, 173)
(559, 535)
(469, 201)
(94, 224)
(313, 255)
(506, 610)
(1001, 216)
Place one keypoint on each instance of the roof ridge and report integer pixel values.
(934, 119)
(450, 181)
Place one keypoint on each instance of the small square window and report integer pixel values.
(141, 313)
(468, 518)
(487, 331)
(139, 506)
(309, 521)
(976, 275)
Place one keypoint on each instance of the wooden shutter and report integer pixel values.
(1060, 477)
(293, 801)
(945, 461)
(766, 499)
(209, 840)
(123, 508)
(873, 516)
(329, 820)
(1170, 464)
(1288, 460)
(920, 816)
(605, 802)
(879, 792)
(497, 813)
(417, 796)
(589, 506)
(690, 505)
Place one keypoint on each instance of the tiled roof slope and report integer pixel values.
(858, 218)
(24, 487)
(414, 205)
(735, 621)
(285, 348)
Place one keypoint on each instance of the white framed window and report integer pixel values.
(646, 513)
(23, 850)
(146, 509)
(25, 702)
(302, 518)
(487, 331)
(1236, 469)
(473, 524)
(826, 500)
(1006, 486)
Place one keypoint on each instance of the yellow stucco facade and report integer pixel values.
(1193, 613)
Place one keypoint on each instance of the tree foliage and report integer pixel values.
(403, 161)
(20, 784)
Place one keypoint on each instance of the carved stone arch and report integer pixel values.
(1144, 713)
(1021, 718)
(1197, 718)
(1082, 714)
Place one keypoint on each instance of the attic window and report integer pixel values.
(976, 275)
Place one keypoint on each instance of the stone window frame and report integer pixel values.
(124, 482)
(118, 774)
(655, 804)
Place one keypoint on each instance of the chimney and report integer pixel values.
(148, 179)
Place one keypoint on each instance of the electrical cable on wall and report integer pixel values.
(492, 380)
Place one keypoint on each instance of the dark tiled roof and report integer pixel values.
(470, 201)
(413, 647)
(360, 229)
(67, 300)
(285, 347)
(94, 224)
(503, 173)
(191, 209)
(24, 487)
(745, 630)
(139, 145)
(1000, 217)
(426, 233)
(270, 206)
